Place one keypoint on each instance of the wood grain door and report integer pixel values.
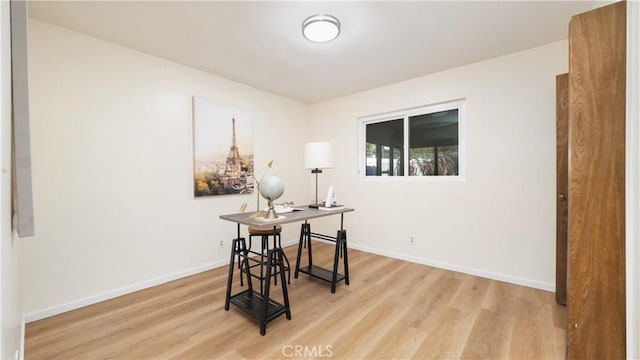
(562, 188)
(597, 81)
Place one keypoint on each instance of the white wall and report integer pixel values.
(112, 169)
(500, 222)
(10, 299)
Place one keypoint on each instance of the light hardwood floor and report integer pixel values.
(392, 310)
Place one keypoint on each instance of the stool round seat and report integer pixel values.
(264, 230)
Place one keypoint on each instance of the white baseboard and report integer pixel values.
(90, 300)
(458, 268)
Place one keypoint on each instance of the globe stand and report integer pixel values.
(271, 212)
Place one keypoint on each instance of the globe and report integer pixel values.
(271, 187)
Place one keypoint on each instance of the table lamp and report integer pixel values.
(318, 156)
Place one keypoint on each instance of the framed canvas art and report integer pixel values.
(222, 148)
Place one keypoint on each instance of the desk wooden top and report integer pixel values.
(249, 218)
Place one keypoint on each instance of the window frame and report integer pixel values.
(405, 114)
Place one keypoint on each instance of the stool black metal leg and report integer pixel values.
(239, 262)
(275, 270)
(245, 260)
(277, 244)
(264, 246)
(249, 246)
(267, 285)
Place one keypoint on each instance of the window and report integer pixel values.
(432, 135)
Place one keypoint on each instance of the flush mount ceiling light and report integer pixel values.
(320, 28)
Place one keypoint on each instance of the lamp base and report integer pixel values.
(314, 206)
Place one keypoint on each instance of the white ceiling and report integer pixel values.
(260, 44)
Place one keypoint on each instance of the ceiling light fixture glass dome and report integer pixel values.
(320, 28)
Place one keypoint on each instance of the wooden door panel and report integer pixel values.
(562, 189)
(597, 79)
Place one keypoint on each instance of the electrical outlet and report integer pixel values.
(412, 239)
(220, 243)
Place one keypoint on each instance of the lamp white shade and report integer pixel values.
(318, 155)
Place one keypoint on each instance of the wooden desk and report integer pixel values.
(248, 218)
(261, 307)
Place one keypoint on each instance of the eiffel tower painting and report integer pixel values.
(223, 148)
(234, 156)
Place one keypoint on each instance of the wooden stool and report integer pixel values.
(264, 232)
